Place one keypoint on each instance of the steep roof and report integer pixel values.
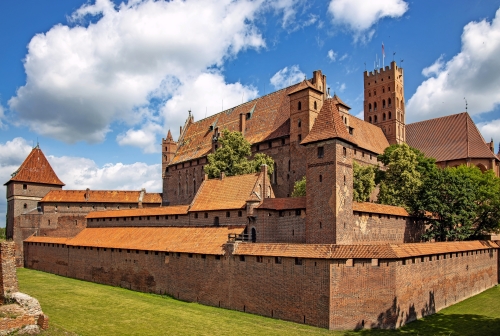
(288, 203)
(368, 136)
(448, 138)
(223, 194)
(101, 196)
(205, 240)
(36, 169)
(157, 211)
(379, 209)
(305, 84)
(382, 251)
(340, 101)
(328, 125)
(269, 119)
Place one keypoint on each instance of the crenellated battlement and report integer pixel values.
(388, 68)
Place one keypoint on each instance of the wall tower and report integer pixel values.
(384, 103)
(168, 149)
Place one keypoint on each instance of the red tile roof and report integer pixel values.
(340, 101)
(448, 138)
(101, 196)
(386, 251)
(368, 136)
(36, 169)
(44, 239)
(160, 211)
(223, 194)
(379, 209)
(305, 84)
(288, 203)
(328, 125)
(206, 240)
(270, 119)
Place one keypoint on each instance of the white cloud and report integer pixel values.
(359, 16)
(82, 78)
(342, 87)
(343, 57)
(474, 73)
(491, 130)
(286, 77)
(332, 55)
(435, 68)
(12, 154)
(144, 137)
(82, 173)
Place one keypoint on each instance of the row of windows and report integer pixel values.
(105, 207)
(299, 105)
(196, 215)
(297, 213)
(379, 215)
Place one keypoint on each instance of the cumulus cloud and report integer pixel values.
(491, 130)
(332, 55)
(114, 61)
(12, 154)
(474, 73)
(359, 16)
(82, 173)
(286, 77)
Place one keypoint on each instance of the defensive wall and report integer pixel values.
(329, 286)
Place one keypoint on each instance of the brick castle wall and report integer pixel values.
(335, 294)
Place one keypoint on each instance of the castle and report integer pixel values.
(242, 243)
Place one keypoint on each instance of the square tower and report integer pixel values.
(168, 149)
(384, 103)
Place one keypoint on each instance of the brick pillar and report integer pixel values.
(8, 276)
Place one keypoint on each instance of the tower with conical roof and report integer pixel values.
(168, 149)
(27, 186)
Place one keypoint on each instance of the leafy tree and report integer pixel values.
(232, 157)
(460, 203)
(299, 188)
(402, 180)
(364, 182)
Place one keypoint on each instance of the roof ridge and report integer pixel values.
(36, 169)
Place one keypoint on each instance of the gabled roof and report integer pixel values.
(223, 194)
(340, 101)
(368, 136)
(270, 119)
(379, 209)
(36, 169)
(448, 138)
(202, 240)
(156, 211)
(305, 84)
(289, 203)
(328, 125)
(101, 196)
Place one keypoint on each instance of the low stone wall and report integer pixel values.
(328, 293)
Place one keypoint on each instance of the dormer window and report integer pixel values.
(351, 130)
(211, 127)
(248, 115)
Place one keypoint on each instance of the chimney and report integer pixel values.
(141, 197)
(180, 130)
(87, 194)
(242, 122)
(492, 146)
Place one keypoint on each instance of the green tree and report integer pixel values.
(402, 180)
(460, 203)
(363, 182)
(232, 157)
(299, 188)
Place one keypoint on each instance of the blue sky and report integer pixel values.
(99, 83)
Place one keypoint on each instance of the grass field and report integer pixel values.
(82, 308)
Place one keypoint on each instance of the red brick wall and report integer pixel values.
(382, 229)
(335, 294)
(280, 226)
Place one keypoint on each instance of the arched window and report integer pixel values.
(315, 105)
(370, 119)
(375, 106)
(374, 92)
(389, 102)
(383, 90)
(375, 118)
(383, 117)
(388, 89)
(194, 186)
(321, 178)
(289, 165)
(216, 221)
(299, 123)
(299, 106)
(370, 107)
(383, 103)
(369, 94)
(254, 235)
(390, 115)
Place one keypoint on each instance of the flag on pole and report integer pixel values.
(383, 54)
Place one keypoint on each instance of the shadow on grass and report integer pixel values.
(440, 324)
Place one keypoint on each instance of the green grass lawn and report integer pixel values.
(84, 308)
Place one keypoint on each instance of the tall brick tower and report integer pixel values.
(384, 103)
(168, 149)
(27, 186)
(329, 175)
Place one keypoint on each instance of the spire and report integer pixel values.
(169, 136)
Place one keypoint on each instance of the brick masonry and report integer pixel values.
(328, 293)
